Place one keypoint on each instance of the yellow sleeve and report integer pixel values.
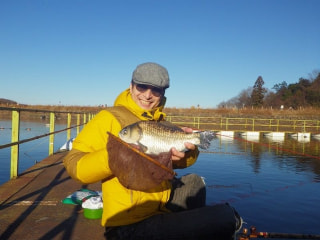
(87, 162)
(189, 159)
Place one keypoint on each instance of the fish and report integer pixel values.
(154, 138)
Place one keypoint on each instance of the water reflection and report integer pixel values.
(301, 154)
(273, 182)
(29, 152)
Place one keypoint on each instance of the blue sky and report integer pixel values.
(81, 52)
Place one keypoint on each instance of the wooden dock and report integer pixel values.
(31, 205)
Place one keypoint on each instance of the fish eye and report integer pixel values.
(125, 131)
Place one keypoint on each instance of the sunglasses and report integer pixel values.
(157, 92)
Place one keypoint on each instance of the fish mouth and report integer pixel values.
(121, 134)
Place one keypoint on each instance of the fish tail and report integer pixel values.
(205, 139)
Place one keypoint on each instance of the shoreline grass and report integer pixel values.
(302, 113)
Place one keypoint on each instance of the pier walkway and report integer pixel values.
(31, 205)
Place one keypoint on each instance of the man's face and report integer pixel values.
(147, 97)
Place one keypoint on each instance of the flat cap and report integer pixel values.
(151, 74)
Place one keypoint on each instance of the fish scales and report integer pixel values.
(163, 138)
(156, 137)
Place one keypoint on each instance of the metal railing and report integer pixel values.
(247, 124)
(15, 130)
(209, 123)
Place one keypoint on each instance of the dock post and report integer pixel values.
(68, 126)
(84, 118)
(78, 123)
(15, 148)
(51, 137)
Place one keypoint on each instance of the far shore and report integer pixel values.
(267, 113)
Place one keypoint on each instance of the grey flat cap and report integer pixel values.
(151, 74)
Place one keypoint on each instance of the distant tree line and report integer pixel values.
(305, 93)
(8, 102)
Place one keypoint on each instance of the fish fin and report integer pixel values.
(205, 139)
(167, 124)
(143, 148)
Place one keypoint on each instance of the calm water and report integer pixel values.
(274, 184)
(30, 152)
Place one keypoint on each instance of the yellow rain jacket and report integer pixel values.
(87, 162)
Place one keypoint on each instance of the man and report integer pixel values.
(174, 209)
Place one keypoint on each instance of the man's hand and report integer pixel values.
(176, 155)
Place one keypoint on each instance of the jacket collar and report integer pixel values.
(125, 99)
